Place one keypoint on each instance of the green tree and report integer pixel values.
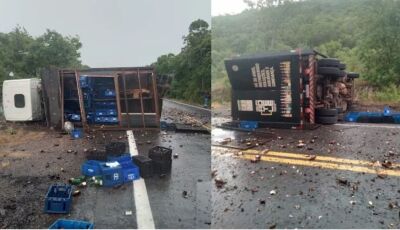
(381, 44)
(191, 67)
(25, 56)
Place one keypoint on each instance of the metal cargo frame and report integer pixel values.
(277, 90)
(125, 79)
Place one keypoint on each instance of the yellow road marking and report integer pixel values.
(326, 165)
(322, 158)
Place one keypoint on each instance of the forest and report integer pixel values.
(365, 34)
(190, 69)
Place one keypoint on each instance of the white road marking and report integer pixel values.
(369, 125)
(144, 216)
(193, 106)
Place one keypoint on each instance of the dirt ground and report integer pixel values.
(32, 158)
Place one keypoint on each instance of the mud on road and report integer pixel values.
(330, 177)
(34, 157)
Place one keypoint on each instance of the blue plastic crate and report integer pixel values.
(109, 93)
(105, 105)
(250, 125)
(71, 224)
(106, 112)
(74, 117)
(396, 118)
(130, 172)
(83, 81)
(112, 176)
(106, 120)
(77, 133)
(124, 159)
(91, 168)
(351, 116)
(58, 199)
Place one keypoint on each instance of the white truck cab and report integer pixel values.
(21, 99)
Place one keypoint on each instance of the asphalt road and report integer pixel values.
(169, 207)
(343, 186)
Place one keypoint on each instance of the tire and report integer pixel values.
(353, 75)
(331, 71)
(328, 62)
(322, 112)
(342, 66)
(327, 120)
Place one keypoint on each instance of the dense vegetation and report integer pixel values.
(190, 68)
(24, 56)
(365, 34)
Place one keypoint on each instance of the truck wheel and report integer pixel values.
(327, 120)
(342, 66)
(322, 112)
(328, 62)
(331, 71)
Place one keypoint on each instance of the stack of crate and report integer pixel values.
(99, 100)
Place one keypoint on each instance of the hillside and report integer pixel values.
(362, 33)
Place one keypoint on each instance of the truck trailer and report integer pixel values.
(293, 89)
(93, 98)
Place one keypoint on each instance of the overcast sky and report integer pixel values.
(221, 7)
(113, 32)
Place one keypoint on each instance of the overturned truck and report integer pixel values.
(293, 89)
(94, 98)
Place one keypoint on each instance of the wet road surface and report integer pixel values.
(170, 209)
(332, 181)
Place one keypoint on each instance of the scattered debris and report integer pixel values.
(387, 164)
(342, 181)
(370, 204)
(219, 182)
(256, 159)
(311, 157)
(301, 144)
(393, 205)
(185, 194)
(76, 193)
(214, 173)
(128, 213)
(272, 226)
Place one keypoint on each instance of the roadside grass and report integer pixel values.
(368, 95)
(221, 92)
